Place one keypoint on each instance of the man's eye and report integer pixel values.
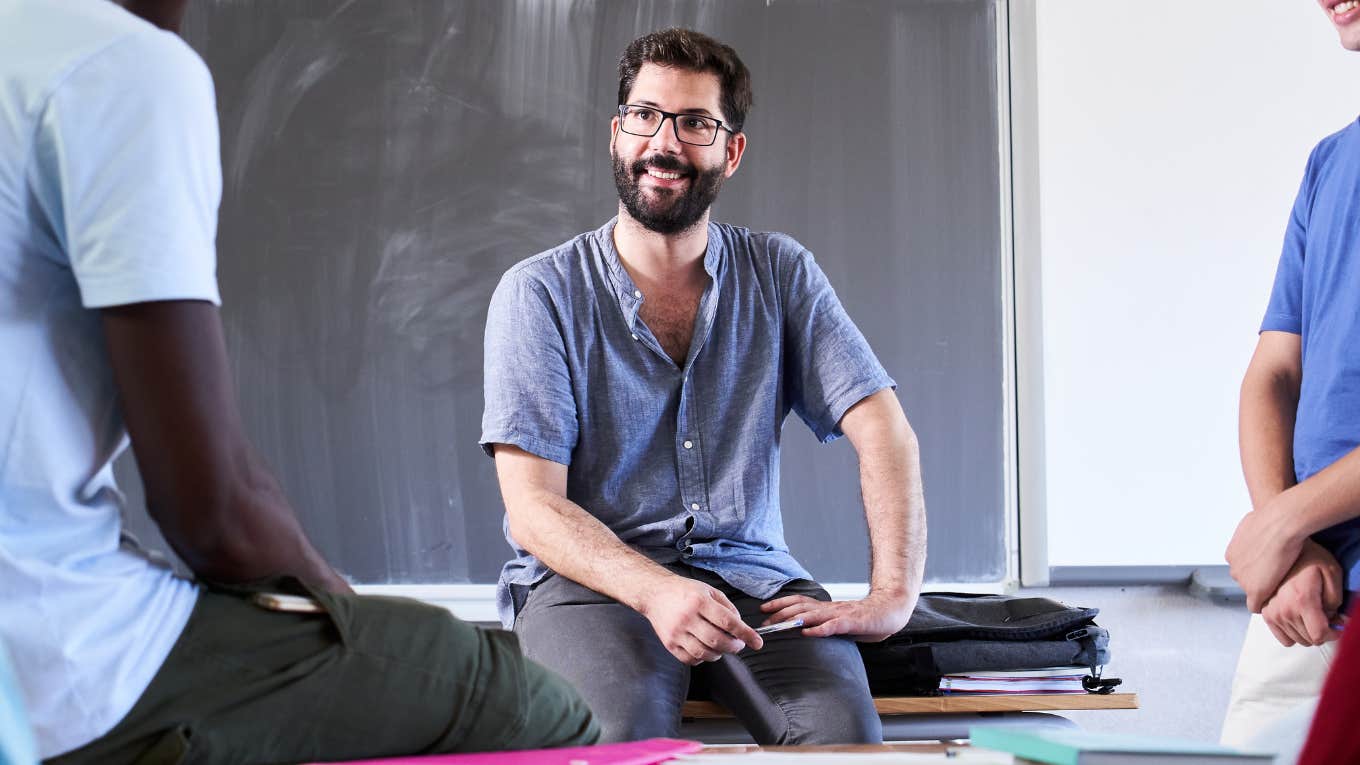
(695, 123)
(644, 115)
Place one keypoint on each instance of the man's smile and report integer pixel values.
(663, 175)
(664, 172)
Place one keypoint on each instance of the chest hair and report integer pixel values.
(670, 315)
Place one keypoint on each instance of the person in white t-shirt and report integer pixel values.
(16, 742)
(109, 186)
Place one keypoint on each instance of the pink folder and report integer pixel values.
(649, 752)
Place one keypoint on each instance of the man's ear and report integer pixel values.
(166, 14)
(736, 147)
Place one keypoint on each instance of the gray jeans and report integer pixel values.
(796, 690)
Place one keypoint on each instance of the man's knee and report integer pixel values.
(612, 657)
(836, 724)
(637, 722)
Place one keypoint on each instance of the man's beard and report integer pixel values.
(672, 212)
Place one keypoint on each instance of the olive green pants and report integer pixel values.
(370, 677)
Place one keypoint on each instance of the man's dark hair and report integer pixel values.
(687, 49)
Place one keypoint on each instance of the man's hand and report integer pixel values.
(1304, 608)
(870, 620)
(1263, 549)
(695, 622)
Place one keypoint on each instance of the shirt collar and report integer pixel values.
(629, 297)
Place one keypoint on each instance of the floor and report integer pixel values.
(1175, 650)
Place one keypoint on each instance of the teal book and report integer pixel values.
(1070, 746)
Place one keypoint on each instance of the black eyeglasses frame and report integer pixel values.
(675, 128)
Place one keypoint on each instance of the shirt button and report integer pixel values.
(689, 444)
(634, 337)
(694, 506)
(637, 293)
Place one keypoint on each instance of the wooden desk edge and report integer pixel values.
(910, 705)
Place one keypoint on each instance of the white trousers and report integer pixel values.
(1274, 685)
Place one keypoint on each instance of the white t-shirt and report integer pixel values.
(109, 185)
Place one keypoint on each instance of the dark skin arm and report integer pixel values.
(213, 498)
(216, 503)
(166, 14)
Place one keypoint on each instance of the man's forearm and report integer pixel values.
(1266, 434)
(1270, 394)
(1328, 497)
(575, 544)
(243, 530)
(894, 503)
(215, 502)
(894, 508)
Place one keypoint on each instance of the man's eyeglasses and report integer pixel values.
(693, 129)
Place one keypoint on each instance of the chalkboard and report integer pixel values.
(385, 162)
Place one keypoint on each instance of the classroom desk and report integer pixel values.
(924, 718)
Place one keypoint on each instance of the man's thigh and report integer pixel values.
(610, 653)
(795, 690)
(369, 677)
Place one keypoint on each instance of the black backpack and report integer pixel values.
(952, 633)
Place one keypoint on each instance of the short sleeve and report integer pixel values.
(1284, 313)
(829, 366)
(527, 386)
(127, 168)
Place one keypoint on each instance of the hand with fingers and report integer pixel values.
(1305, 606)
(876, 617)
(696, 622)
(1261, 552)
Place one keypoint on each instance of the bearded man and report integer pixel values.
(637, 379)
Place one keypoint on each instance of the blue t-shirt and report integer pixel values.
(680, 461)
(1317, 296)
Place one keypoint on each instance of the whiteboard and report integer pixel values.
(1172, 138)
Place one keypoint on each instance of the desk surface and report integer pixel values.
(907, 705)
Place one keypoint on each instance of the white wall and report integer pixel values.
(1172, 139)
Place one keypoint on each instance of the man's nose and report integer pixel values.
(665, 139)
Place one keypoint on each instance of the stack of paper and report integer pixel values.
(1050, 680)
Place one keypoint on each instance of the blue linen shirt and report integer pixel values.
(681, 462)
(1317, 296)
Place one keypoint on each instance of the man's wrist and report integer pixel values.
(894, 594)
(1287, 518)
(643, 595)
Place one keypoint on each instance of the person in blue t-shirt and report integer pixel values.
(1297, 553)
